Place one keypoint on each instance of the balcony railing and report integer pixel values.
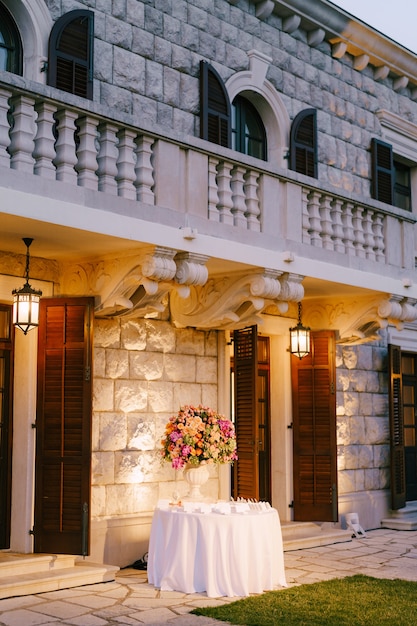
(55, 140)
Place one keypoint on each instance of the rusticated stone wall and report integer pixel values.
(143, 371)
(362, 418)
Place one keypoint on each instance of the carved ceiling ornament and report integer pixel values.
(359, 321)
(162, 281)
(137, 286)
(236, 301)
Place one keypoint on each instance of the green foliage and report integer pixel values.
(351, 601)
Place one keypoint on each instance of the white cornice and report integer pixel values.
(346, 32)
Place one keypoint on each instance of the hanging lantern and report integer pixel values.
(299, 338)
(26, 300)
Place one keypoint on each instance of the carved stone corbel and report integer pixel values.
(235, 301)
(398, 310)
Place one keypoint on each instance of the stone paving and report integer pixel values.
(131, 601)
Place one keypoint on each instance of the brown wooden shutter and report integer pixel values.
(214, 107)
(303, 143)
(246, 469)
(398, 481)
(70, 66)
(314, 431)
(383, 174)
(63, 442)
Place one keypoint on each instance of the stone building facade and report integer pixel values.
(150, 202)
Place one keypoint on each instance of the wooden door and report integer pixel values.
(63, 423)
(6, 361)
(314, 426)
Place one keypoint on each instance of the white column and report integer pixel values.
(24, 415)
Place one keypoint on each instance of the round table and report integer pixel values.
(233, 554)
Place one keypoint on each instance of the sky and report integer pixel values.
(395, 18)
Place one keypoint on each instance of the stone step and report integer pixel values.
(299, 535)
(25, 574)
(403, 519)
(14, 563)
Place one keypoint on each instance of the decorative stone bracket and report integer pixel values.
(230, 302)
(143, 289)
(377, 315)
(163, 280)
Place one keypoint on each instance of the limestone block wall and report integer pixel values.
(144, 370)
(362, 418)
(147, 58)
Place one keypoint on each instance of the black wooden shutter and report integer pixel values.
(63, 434)
(303, 143)
(398, 482)
(383, 174)
(70, 66)
(214, 107)
(246, 468)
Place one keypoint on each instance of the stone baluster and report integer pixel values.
(305, 217)
(87, 153)
(348, 235)
(224, 190)
(213, 198)
(238, 197)
(144, 180)
(107, 158)
(368, 236)
(313, 208)
(336, 217)
(126, 164)
(65, 156)
(4, 128)
(22, 134)
(359, 239)
(44, 152)
(379, 243)
(326, 222)
(253, 211)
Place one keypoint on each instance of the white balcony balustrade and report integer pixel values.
(53, 140)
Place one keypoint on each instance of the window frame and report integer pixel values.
(241, 108)
(55, 54)
(12, 43)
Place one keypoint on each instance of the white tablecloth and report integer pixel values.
(225, 555)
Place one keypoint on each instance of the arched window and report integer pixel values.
(71, 53)
(10, 44)
(248, 131)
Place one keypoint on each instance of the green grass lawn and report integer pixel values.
(351, 601)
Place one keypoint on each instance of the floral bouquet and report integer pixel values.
(198, 435)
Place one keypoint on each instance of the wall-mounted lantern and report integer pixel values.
(299, 338)
(26, 300)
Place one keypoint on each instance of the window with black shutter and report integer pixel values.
(214, 107)
(10, 44)
(303, 143)
(71, 53)
(391, 176)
